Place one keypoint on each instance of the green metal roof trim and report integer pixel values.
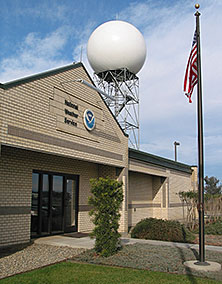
(31, 78)
(156, 160)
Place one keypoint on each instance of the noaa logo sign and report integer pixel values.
(89, 119)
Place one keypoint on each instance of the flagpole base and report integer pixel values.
(203, 266)
(204, 263)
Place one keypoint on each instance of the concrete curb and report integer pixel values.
(208, 266)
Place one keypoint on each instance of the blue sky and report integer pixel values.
(45, 34)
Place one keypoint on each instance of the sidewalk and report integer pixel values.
(88, 243)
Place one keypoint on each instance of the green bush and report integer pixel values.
(164, 230)
(106, 200)
(214, 228)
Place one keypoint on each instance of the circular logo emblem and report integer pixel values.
(89, 119)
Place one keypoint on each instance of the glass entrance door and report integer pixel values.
(71, 204)
(44, 205)
(35, 205)
(57, 204)
(54, 203)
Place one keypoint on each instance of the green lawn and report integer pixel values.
(79, 273)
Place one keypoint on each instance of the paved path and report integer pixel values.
(88, 243)
(85, 242)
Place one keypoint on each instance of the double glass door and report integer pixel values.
(54, 203)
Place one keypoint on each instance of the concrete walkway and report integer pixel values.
(85, 242)
(88, 243)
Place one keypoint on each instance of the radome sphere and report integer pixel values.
(114, 45)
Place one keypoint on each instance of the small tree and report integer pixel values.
(211, 186)
(191, 200)
(106, 200)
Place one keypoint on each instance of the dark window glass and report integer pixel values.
(70, 203)
(45, 204)
(57, 198)
(34, 208)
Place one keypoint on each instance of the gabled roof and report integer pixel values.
(158, 161)
(41, 75)
(52, 72)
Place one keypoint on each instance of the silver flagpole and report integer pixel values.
(203, 265)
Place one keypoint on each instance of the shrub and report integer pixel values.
(164, 230)
(106, 200)
(213, 228)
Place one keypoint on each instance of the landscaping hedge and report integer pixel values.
(164, 230)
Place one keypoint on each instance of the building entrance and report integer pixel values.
(54, 203)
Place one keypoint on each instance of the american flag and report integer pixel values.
(190, 79)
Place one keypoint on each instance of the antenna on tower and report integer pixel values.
(116, 51)
(81, 53)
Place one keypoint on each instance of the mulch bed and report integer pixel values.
(33, 257)
(155, 258)
(8, 250)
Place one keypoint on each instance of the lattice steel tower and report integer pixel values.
(123, 86)
(116, 51)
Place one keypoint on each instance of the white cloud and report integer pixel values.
(80, 50)
(34, 55)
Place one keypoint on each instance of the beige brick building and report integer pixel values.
(55, 135)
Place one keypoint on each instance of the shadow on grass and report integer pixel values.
(189, 273)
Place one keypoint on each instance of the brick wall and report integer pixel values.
(177, 182)
(156, 195)
(33, 113)
(142, 197)
(14, 229)
(16, 167)
(32, 118)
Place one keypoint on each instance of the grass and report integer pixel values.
(155, 258)
(78, 273)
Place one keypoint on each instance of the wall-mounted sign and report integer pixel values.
(70, 104)
(89, 119)
(73, 118)
(70, 113)
(70, 122)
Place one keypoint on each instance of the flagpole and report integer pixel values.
(200, 148)
(194, 71)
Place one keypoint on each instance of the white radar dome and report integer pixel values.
(114, 45)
